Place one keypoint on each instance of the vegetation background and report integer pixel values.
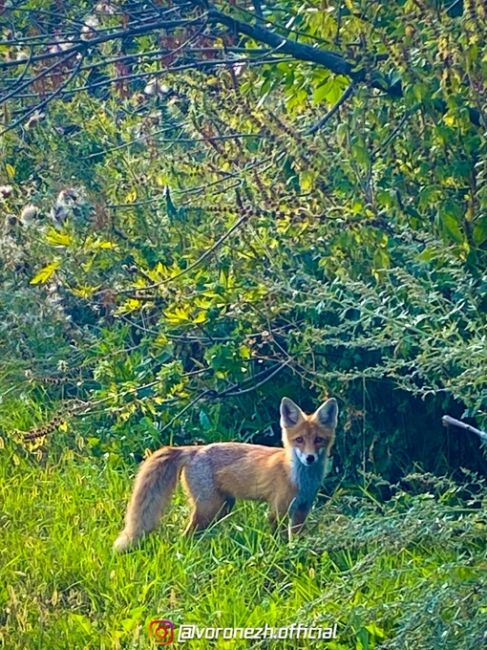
(208, 206)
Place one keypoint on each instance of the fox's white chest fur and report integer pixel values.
(307, 479)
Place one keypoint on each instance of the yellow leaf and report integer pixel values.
(161, 339)
(450, 120)
(177, 316)
(131, 196)
(104, 244)
(162, 180)
(129, 305)
(245, 352)
(58, 238)
(306, 181)
(84, 291)
(201, 317)
(45, 273)
(10, 170)
(203, 302)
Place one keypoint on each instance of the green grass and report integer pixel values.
(411, 573)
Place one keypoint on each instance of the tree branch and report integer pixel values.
(301, 51)
(257, 29)
(138, 30)
(448, 421)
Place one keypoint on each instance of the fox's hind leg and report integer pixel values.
(204, 514)
(208, 503)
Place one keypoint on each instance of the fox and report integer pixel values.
(214, 476)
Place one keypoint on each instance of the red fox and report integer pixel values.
(215, 475)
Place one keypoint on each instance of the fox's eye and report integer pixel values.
(319, 440)
(299, 439)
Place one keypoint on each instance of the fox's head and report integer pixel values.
(310, 436)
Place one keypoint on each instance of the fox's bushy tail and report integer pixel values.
(154, 486)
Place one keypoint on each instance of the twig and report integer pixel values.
(166, 71)
(20, 86)
(274, 371)
(326, 118)
(258, 9)
(394, 132)
(448, 421)
(184, 409)
(40, 105)
(138, 30)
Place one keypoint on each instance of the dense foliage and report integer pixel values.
(198, 219)
(205, 206)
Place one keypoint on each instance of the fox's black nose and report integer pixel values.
(310, 459)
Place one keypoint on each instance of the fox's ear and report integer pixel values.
(291, 414)
(327, 414)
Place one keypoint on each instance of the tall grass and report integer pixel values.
(410, 573)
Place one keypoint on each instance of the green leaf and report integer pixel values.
(449, 218)
(329, 92)
(80, 621)
(360, 152)
(204, 421)
(480, 231)
(375, 630)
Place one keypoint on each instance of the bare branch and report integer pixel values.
(41, 105)
(138, 30)
(448, 421)
(208, 253)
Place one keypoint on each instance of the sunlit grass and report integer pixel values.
(410, 574)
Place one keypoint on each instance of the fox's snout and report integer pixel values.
(306, 457)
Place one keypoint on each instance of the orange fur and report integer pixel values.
(214, 475)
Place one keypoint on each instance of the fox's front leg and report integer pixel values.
(296, 521)
(278, 513)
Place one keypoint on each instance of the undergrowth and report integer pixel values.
(406, 573)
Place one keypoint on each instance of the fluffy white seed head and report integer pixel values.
(29, 214)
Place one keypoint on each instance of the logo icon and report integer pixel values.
(161, 631)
